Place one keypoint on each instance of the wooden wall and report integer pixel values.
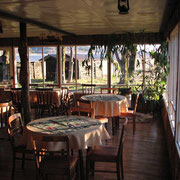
(172, 149)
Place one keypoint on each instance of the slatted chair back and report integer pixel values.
(109, 90)
(71, 101)
(88, 104)
(53, 161)
(15, 131)
(6, 111)
(16, 99)
(88, 88)
(64, 94)
(40, 146)
(64, 101)
(83, 103)
(45, 100)
(107, 154)
(15, 128)
(80, 111)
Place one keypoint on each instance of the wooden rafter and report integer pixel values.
(6, 15)
(137, 38)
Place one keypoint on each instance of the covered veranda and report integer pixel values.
(65, 27)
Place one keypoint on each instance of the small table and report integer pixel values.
(107, 105)
(83, 132)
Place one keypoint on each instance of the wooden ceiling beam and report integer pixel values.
(136, 38)
(6, 15)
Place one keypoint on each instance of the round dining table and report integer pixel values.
(83, 132)
(107, 105)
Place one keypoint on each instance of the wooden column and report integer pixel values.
(59, 66)
(76, 68)
(24, 74)
(109, 67)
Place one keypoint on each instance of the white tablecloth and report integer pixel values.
(107, 105)
(83, 131)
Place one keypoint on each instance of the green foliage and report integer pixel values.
(109, 50)
(159, 75)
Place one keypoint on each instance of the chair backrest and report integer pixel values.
(121, 139)
(65, 94)
(88, 88)
(16, 96)
(71, 101)
(136, 103)
(5, 110)
(109, 90)
(43, 147)
(82, 111)
(15, 127)
(44, 96)
(83, 103)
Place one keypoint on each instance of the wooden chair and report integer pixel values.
(87, 104)
(16, 99)
(64, 102)
(71, 102)
(44, 101)
(15, 130)
(6, 111)
(131, 114)
(109, 154)
(57, 162)
(88, 88)
(109, 90)
(80, 111)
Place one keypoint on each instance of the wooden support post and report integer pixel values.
(109, 67)
(24, 74)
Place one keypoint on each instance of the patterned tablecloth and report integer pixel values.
(107, 105)
(83, 132)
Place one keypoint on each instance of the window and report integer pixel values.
(78, 69)
(4, 67)
(178, 91)
(36, 65)
(42, 65)
(172, 78)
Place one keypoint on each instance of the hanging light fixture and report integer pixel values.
(123, 6)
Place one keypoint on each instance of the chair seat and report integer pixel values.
(102, 119)
(58, 165)
(103, 154)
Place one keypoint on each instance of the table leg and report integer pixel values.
(81, 164)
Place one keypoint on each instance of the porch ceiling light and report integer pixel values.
(123, 6)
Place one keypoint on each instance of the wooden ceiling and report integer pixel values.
(80, 17)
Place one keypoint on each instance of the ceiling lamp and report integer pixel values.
(123, 6)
